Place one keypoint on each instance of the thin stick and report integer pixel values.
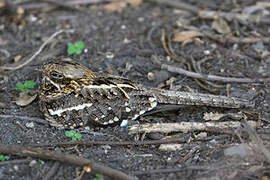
(67, 4)
(34, 55)
(212, 77)
(62, 157)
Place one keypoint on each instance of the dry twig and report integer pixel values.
(212, 77)
(18, 66)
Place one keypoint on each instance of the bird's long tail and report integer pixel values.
(186, 98)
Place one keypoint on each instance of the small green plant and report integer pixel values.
(98, 176)
(3, 157)
(75, 48)
(73, 135)
(26, 86)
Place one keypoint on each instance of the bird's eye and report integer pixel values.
(56, 76)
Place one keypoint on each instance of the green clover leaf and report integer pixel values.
(79, 44)
(29, 84)
(25, 86)
(75, 48)
(3, 157)
(78, 136)
(70, 133)
(74, 136)
(20, 86)
(71, 49)
(98, 176)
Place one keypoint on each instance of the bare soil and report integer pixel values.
(127, 42)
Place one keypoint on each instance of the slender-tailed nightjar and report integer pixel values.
(72, 96)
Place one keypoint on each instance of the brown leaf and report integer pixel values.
(182, 36)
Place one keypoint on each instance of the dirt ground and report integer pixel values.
(126, 39)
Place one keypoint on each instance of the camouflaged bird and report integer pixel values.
(72, 96)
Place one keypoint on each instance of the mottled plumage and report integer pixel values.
(72, 96)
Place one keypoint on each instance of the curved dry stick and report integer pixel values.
(212, 77)
(34, 55)
(66, 158)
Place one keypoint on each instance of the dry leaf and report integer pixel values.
(182, 36)
(134, 2)
(24, 99)
(221, 26)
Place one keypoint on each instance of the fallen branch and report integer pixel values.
(65, 158)
(212, 77)
(185, 126)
